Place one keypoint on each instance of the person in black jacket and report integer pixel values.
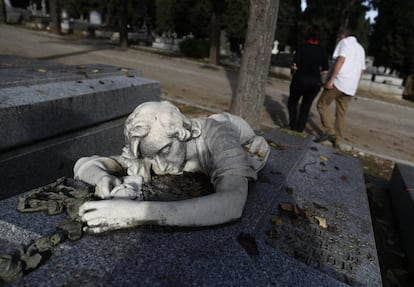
(310, 63)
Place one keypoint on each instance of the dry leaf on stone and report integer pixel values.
(276, 145)
(321, 221)
(260, 154)
(41, 70)
(248, 242)
(369, 185)
(390, 242)
(392, 278)
(287, 206)
(400, 272)
(277, 221)
(319, 206)
(95, 71)
(398, 253)
(324, 158)
(307, 214)
(295, 221)
(344, 178)
(272, 233)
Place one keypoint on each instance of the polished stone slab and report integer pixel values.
(39, 100)
(402, 201)
(243, 253)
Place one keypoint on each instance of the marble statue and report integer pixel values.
(160, 138)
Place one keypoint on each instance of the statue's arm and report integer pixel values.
(254, 144)
(225, 205)
(102, 172)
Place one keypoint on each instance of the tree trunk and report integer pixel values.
(3, 12)
(54, 10)
(123, 24)
(215, 39)
(248, 100)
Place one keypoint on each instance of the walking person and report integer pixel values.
(341, 86)
(309, 63)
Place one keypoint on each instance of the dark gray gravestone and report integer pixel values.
(402, 199)
(41, 100)
(243, 253)
(51, 115)
(324, 219)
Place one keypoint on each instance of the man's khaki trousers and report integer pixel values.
(341, 101)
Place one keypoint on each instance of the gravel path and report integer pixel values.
(373, 126)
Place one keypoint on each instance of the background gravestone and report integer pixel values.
(51, 115)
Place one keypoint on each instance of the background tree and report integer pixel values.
(217, 9)
(164, 16)
(248, 99)
(123, 24)
(287, 23)
(55, 18)
(234, 21)
(80, 8)
(3, 12)
(392, 41)
(390, 38)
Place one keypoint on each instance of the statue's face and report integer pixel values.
(167, 154)
(156, 132)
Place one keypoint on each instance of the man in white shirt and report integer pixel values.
(341, 85)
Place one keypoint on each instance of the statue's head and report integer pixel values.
(159, 132)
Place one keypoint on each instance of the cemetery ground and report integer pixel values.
(373, 125)
(200, 89)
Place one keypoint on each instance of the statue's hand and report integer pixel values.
(130, 188)
(105, 215)
(105, 184)
(258, 147)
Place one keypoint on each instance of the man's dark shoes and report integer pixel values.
(326, 137)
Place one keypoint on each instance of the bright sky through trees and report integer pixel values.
(371, 14)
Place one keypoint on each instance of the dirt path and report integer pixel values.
(374, 126)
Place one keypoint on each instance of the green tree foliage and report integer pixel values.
(330, 15)
(3, 15)
(287, 24)
(390, 38)
(183, 17)
(235, 22)
(140, 11)
(392, 41)
(165, 16)
(194, 48)
(80, 8)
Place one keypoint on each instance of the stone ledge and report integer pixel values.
(36, 112)
(147, 256)
(28, 167)
(166, 256)
(402, 200)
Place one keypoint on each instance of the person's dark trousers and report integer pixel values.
(307, 91)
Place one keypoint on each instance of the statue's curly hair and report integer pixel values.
(139, 123)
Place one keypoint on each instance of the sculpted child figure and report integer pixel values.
(160, 138)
